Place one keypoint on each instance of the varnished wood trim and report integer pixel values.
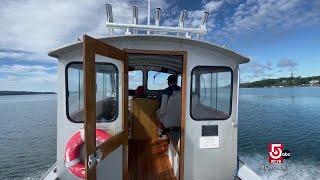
(183, 116)
(91, 47)
(183, 96)
(113, 143)
(103, 49)
(89, 104)
(125, 123)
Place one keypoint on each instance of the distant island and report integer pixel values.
(284, 82)
(5, 93)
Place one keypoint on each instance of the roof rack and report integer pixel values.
(134, 26)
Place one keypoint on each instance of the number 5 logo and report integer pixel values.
(275, 152)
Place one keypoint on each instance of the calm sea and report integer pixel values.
(266, 115)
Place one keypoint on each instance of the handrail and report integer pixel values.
(104, 149)
(113, 143)
(200, 31)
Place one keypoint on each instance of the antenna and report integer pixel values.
(109, 16)
(109, 13)
(134, 15)
(183, 14)
(149, 6)
(157, 17)
(204, 20)
(135, 18)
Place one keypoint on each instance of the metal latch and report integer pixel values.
(94, 159)
(234, 124)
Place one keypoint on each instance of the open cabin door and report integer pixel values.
(95, 155)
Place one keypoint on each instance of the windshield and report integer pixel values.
(158, 80)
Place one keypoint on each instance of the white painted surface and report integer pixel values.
(208, 142)
(174, 159)
(50, 174)
(213, 163)
(66, 128)
(245, 173)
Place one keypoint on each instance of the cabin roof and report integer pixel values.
(175, 39)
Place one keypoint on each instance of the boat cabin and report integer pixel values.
(115, 120)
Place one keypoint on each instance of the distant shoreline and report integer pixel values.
(279, 87)
(284, 82)
(8, 93)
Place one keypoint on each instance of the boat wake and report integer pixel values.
(305, 169)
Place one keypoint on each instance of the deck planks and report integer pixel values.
(149, 161)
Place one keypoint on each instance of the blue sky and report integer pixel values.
(280, 36)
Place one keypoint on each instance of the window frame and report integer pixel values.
(67, 90)
(231, 95)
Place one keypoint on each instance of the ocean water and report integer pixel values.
(266, 115)
(27, 135)
(290, 116)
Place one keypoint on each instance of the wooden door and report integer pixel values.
(94, 154)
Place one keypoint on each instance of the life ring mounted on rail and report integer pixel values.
(72, 153)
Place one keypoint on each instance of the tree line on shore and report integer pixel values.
(284, 82)
(5, 93)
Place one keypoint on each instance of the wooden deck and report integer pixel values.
(148, 161)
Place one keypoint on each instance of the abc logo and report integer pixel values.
(286, 154)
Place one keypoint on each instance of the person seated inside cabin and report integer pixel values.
(172, 86)
(169, 113)
(140, 93)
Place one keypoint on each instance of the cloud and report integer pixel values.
(25, 70)
(256, 70)
(257, 67)
(213, 5)
(34, 27)
(13, 54)
(28, 83)
(27, 77)
(37, 26)
(287, 63)
(272, 15)
(194, 16)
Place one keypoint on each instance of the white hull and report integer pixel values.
(244, 173)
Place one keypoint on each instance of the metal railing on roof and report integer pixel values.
(134, 27)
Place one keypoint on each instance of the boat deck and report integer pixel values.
(148, 161)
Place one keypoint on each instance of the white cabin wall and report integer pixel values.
(217, 163)
(199, 164)
(66, 128)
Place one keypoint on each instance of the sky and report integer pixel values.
(280, 36)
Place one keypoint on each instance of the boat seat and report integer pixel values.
(170, 110)
(203, 109)
(161, 112)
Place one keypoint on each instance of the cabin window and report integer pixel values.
(135, 79)
(158, 80)
(106, 92)
(211, 93)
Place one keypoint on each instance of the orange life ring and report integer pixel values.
(72, 152)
